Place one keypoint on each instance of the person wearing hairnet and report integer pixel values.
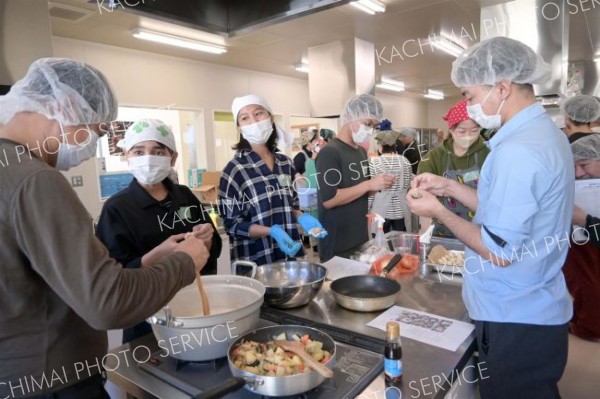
(410, 150)
(327, 134)
(343, 178)
(460, 158)
(582, 267)
(308, 139)
(439, 137)
(513, 287)
(257, 198)
(145, 221)
(595, 125)
(61, 289)
(391, 203)
(580, 113)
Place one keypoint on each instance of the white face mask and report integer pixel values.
(150, 169)
(259, 132)
(464, 142)
(71, 155)
(363, 134)
(485, 121)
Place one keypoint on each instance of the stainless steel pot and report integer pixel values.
(365, 293)
(235, 309)
(288, 284)
(270, 385)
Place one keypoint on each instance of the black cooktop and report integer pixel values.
(354, 369)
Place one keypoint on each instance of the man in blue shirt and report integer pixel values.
(513, 287)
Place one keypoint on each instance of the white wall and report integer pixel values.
(403, 111)
(152, 80)
(144, 79)
(24, 37)
(437, 109)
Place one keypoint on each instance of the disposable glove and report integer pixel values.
(285, 242)
(309, 223)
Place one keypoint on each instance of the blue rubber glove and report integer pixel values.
(285, 242)
(308, 223)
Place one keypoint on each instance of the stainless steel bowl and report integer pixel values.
(288, 284)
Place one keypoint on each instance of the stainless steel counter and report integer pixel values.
(423, 364)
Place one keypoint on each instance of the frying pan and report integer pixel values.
(270, 385)
(366, 293)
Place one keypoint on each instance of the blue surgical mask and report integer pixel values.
(363, 134)
(71, 155)
(485, 121)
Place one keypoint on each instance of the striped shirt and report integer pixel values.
(250, 193)
(398, 165)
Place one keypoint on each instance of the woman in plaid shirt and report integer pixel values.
(257, 199)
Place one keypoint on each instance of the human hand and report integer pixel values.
(285, 242)
(424, 203)
(579, 216)
(382, 182)
(204, 232)
(312, 226)
(436, 185)
(195, 248)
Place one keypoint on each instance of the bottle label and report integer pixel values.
(392, 367)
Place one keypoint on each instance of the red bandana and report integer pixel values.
(457, 114)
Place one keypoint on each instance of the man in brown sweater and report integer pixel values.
(59, 289)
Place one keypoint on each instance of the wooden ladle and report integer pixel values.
(203, 296)
(298, 349)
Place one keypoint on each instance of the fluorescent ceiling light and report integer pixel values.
(447, 46)
(369, 6)
(178, 41)
(390, 84)
(434, 94)
(302, 67)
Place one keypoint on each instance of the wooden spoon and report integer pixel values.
(203, 296)
(298, 349)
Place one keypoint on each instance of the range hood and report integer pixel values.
(566, 34)
(227, 18)
(543, 28)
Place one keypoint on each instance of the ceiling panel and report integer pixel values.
(276, 48)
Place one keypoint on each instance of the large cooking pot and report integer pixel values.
(288, 284)
(365, 293)
(184, 334)
(271, 385)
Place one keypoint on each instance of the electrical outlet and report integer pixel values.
(77, 181)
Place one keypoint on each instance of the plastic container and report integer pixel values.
(405, 243)
(307, 197)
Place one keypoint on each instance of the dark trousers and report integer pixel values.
(90, 388)
(393, 224)
(521, 360)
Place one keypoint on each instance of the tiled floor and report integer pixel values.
(581, 379)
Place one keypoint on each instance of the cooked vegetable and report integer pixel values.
(271, 360)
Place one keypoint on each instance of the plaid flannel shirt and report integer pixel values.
(250, 193)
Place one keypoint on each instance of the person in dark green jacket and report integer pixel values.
(459, 157)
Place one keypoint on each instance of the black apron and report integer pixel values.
(470, 177)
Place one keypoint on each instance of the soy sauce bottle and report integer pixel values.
(392, 352)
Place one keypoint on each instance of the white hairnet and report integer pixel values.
(284, 139)
(587, 148)
(148, 130)
(496, 59)
(68, 91)
(409, 132)
(362, 106)
(240, 102)
(582, 108)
